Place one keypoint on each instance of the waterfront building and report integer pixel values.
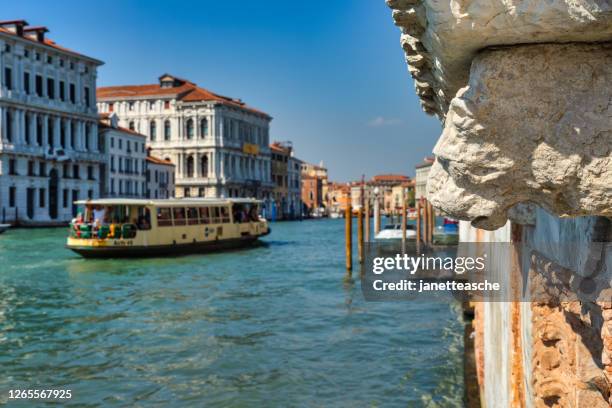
(422, 172)
(279, 156)
(160, 178)
(219, 145)
(294, 186)
(49, 147)
(385, 184)
(286, 175)
(125, 174)
(314, 188)
(404, 190)
(356, 188)
(338, 197)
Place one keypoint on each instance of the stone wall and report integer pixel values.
(546, 353)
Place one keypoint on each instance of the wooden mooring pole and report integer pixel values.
(360, 234)
(426, 219)
(348, 232)
(432, 223)
(376, 215)
(360, 221)
(367, 218)
(404, 219)
(418, 222)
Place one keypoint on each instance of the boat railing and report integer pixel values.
(104, 231)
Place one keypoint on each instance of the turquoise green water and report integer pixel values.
(277, 325)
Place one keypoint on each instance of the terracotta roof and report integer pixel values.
(428, 161)
(157, 160)
(103, 126)
(279, 148)
(390, 177)
(48, 42)
(127, 91)
(187, 92)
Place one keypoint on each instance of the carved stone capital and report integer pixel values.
(533, 125)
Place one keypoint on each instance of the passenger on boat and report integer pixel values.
(253, 214)
(144, 220)
(99, 214)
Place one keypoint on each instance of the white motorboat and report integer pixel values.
(4, 227)
(393, 232)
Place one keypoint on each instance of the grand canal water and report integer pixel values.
(277, 325)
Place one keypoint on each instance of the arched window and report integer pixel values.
(153, 130)
(189, 129)
(131, 125)
(204, 128)
(204, 166)
(167, 130)
(189, 165)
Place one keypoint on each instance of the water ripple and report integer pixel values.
(276, 325)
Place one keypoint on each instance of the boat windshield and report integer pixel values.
(245, 212)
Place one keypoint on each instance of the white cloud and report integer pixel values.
(381, 121)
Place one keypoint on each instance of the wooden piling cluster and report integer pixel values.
(425, 222)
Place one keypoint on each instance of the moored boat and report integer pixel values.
(110, 228)
(447, 233)
(4, 227)
(393, 232)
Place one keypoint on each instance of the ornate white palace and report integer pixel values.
(220, 146)
(49, 152)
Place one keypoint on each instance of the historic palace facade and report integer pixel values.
(49, 152)
(220, 146)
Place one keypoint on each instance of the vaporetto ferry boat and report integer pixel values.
(110, 228)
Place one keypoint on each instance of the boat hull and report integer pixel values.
(151, 251)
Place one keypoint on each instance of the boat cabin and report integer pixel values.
(147, 223)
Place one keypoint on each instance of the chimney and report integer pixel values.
(109, 119)
(14, 26)
(36, 33)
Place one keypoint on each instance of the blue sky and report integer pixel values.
(330, 72)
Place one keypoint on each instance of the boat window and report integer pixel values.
(215, 215)
(144, 218)
(239, 213)
(225, 214)
(192, 216)
(164, 217)
(179, 215)
(204, 218)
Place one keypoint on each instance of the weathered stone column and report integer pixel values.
(524, 91)
(534, 125)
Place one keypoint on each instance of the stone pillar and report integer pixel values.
(45, 132)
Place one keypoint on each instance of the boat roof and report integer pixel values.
(176, 202)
